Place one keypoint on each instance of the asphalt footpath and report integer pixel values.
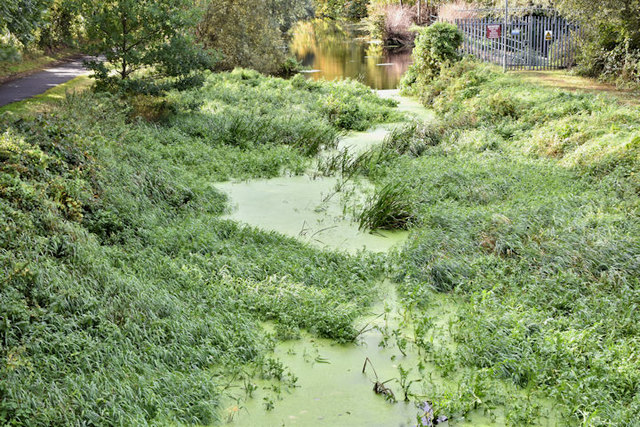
(40, 82)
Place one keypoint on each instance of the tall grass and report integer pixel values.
(124, 298)
(525, 211)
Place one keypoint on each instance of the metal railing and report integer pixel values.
(527, 42)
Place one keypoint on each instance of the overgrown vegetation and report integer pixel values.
(252, 34)
(124, 299)
(611, 49)
(436, 46)
(524, 206)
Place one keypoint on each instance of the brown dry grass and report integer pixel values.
(449, 12)
(398, 22)
(566, 81)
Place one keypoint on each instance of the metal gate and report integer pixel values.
(527, 42)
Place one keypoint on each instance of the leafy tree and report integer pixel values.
(612, 45)
(61, 25)
(285, 13)
(329, 8)
(250, 33)
(20, 18)
(134, 34)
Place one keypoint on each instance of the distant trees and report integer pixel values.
(612, 46)
(250, 33)
(62, 25)
(350, 9)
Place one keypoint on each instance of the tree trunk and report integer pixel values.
(123, 71)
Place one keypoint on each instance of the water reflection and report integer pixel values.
(337, 50)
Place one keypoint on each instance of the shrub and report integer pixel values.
(436, 46)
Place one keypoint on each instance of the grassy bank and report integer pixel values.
(523, 205)
(124, 299)
(31, 62)
(47, 100)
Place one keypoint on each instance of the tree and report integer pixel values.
(611, 47)
(61, 25)
(20, 18)
(250, 33)
(134, 34)
(436, 46)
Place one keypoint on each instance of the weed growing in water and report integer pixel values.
(526, 211)
(388, 209)
(122, 290)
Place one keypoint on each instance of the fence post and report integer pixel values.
(504, 35)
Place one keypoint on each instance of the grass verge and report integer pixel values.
(47, 100)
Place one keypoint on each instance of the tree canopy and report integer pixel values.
(132, 34)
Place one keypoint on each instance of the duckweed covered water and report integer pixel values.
(306, 208)
(331, 388)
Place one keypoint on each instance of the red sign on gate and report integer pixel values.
(494, 31)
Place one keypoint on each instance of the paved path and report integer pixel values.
(40, 82)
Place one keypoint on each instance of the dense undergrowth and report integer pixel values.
(124, 299)
(523, 202)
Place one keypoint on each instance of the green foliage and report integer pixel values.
(20, 18)
(232, 27)
(19, 21)
(132, 35)
(121, 289)
(62, 25)
(350, 9)
(329, 8)
(388, 209)
(525, 209)
(611, 45)
(436, 46)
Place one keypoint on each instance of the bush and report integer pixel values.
(619, 64)
(610, 40)
(436, 46)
